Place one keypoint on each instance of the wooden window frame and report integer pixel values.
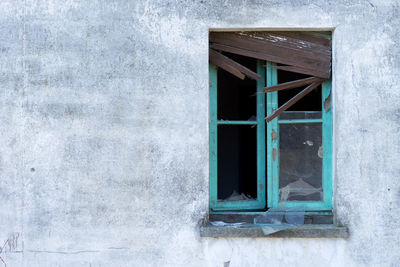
(268, 181)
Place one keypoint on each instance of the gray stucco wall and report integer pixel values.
(104, 132)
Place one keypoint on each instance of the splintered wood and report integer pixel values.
(291, 85)
(293, 100)
(301, 52)
(231, 66)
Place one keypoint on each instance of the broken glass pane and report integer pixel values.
(269, 218)
(294, 215)
(273, 228)
(237, 162)
(236, 98)
(311, 101)
(277, 219)
(300, 162)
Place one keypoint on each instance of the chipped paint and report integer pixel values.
(274, 135)
(327, 103)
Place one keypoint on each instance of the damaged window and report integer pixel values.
(270, 121)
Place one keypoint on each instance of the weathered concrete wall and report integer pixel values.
(104, 132)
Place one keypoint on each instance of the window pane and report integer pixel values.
(300, 162)
(236, 97)
(312, 101)
(237, 162)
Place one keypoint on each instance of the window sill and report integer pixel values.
(254, 230)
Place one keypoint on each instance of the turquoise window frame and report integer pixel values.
(273, 165)
(260, 123)
(268, 180)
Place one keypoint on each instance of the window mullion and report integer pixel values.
(261, 135)
(272, 139)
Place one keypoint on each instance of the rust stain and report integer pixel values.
(275, 178)
(327, 103)
(261, 187)
(274, 135)
(274, 152)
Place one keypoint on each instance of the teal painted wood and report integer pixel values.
(263, 212)
(258, 203)
(236, 122)
(304, 111)
(213, 128)
(327, 181)
(272, 167)
(300, 121)
(237, 205)
(272, 127)
(307, 205)
(326, 121)
(261, 188)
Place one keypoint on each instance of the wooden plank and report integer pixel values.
(267, 42)
(217, 61)
(302, 54)
(301, 42)
(310, 37)
(273, 58)
(218, 57)
(246, 71)
(291, 56)
(301, 70)
(292, 101)
(290, 85)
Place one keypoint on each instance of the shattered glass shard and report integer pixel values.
(298, 189)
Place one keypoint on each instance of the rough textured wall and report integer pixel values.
(104, 132)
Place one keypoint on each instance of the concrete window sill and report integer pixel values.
(254, 230)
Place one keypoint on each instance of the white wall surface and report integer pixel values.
(104, 132)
